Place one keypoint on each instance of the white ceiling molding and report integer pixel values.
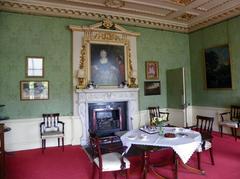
(174, 15)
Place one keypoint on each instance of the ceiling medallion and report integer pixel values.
(114, 3)
(183, 2)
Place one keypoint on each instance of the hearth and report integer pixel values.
(107, 118)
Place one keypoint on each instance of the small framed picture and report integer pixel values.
(34, 67)
(152, 88)
(151, 70)
(34, 90)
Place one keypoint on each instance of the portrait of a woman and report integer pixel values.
(107, 64)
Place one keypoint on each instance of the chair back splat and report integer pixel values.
(235, 112)
(205, 124)
(155, 112)
(51, 121)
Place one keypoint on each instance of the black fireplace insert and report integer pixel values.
(107, 118)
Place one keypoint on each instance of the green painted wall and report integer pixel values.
(27, 35)
(171, 49)
(227, 32)
(24, 35)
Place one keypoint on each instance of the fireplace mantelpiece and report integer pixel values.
(86, 96)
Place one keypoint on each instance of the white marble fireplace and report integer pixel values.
(86, 96)
(110, 34)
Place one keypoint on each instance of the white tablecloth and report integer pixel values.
(183, 145)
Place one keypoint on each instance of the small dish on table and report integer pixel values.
(132, 137)
(170, 135)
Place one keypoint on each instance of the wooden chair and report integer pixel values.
(111, 160)
(51, 127)
(204, 126)
(155, 112)
(233, 122)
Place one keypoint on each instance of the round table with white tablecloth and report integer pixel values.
(183, 141)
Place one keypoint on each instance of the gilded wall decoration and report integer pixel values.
(105, 56)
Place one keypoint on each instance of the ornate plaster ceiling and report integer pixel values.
(175, 15)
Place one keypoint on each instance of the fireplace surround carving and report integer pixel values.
(89, 96)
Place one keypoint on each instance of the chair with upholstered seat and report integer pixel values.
(233, 122)
(204, 126)
(51, 127)
(110, 161)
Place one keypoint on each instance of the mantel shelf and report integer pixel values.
(104, 90)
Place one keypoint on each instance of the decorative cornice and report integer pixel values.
(183, 2)
(51, 9)
(215, 19)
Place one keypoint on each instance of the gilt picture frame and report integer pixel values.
(218, 67)
(34, 90)
(151, 70)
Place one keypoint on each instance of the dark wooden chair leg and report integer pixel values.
(199, 160)
(45, 143)
(100, 174)
(235, 133)
(93, 172)
(115, 175)
(62, 143)
(58, 142)
(42, 146)
(232, 132)
(127, 173)
(211, 155)
(145, 168)
(176, 166)
(221, 130)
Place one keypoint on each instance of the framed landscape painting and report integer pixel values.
(152, 88)
(218, 68)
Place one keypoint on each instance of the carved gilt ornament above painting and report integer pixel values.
(105, 56)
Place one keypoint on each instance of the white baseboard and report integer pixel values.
(25, 134)
(211, 112)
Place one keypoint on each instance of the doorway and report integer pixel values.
(176, 96)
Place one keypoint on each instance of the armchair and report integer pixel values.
(233, 122)
(107, 158)
(51, 127)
